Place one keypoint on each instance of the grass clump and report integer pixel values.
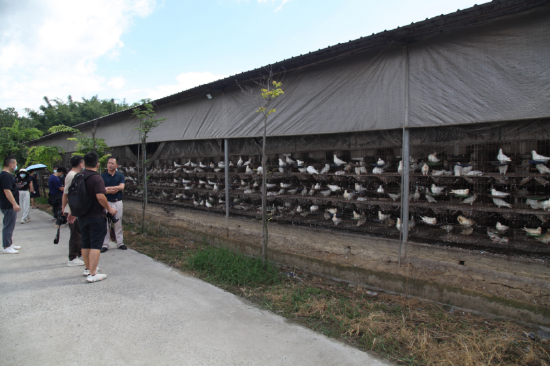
(232, 268)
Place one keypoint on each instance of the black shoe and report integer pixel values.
(103, 249)
(123, 247)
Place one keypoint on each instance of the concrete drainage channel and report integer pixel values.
(506, 287)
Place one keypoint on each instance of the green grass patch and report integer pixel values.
(233, 268)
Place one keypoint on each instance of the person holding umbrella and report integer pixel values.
(35, 178)
(25, 186)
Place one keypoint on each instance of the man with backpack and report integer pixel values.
(88, 203)
(75, 240)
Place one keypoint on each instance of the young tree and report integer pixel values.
(13, 140)
(86, 144)
(147, 122)
(270, 89)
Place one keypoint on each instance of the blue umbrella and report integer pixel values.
(35, 166)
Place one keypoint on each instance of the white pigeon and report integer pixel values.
(425, 169)
(430, 199)
(502, 169)
(177, 165)
(381, 162)
(289, 161)
(215, 189)
(248, 170)
(543, 169)
(334, 187)
(281, 162)
(433, 158)
(325, 169)
(359, 188)
(503, 158)
(338, 161)
(212, 165)
(260, 170)
(314, 208)
(416, 195)
(312, 170)
(400, 167)
(201, 165)
(285, 185)
(457, 170)
(383, 217)
(336, 220)
(394, 196)
(499, 202)
(240, 162)
(437, 190)
(538, 157)
(299, 209)
(326, 193)
(377, 170)
(317, 186)
(496, 193)
(302, 170)
(304, 191)
(501, 227)
(429, 220)
(208, 204)
(380, 190)
(221, 164)
(300, 162)
(461, 192)
(348, 196)
(537, 231)
(248, 161)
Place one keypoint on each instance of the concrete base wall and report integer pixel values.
(500, 285)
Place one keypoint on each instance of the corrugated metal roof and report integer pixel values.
(400, 35)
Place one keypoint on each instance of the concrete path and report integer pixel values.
(144, 313)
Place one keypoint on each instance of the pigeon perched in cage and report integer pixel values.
(541, 180)
(429, 220)
(312, 170)
(281, 163)
(400, 167)
(338, 162)
(503, 158)
(298, 209)
(177, 165)
(359, 188)
(380, 189)
(314, 208)
(212, 165)
(362, 221)
(377, 170)
(538, 157)
(425, 169)
(260, 170)
(348, 196)
(289, 161)
(543, 169)
(457, 170)
(430, 199)
(432, 158)
(383, 217)
(415, 196)
(545, 205)
(302, 170)
(208, 204)
(356, 215)
(311, 192)
(499, 202)
(240, 162)
(496, 193)
(300, 162)
(332, 211)
(460, 192)
(537, 231)
(248, 170)
(248, 162)
(502, 169)
(437, 190)
(381, 162)
(394, 196)
(334, 187)
(336, 220)
(501, 228)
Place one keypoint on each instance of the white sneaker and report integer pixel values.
(87, 271)
(97, 277)
(75, 262)
(16, 247)
(22, 222)
(10, 250)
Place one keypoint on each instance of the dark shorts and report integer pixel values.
(93, 231)
(37, 194)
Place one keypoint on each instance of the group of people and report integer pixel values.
(90, 233)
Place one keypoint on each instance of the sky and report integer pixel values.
(135, 49)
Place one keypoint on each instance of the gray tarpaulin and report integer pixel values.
(492, 72)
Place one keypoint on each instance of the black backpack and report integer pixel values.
(80, 201)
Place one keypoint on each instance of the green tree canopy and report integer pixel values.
(13, 140)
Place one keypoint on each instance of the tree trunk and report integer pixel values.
(144, 196)
(264, 197)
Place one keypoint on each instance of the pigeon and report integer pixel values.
(215, 189)
(546, 238)
(248, 170)
(425, 169)
(314, 208)
(541, 180)
(383, 217)
(325, 169)
(400, 167)
(461, 192)
(457, 170)
(416, 195)
(502, 169)
(281, 163)
(545, 205)
(543, 169)
(394, 196)
(377, 170)
(348, 196)
(240, 162)
(361, 221)
(248, 162)
(221, 164)
(381, 162)
(429, 220)
(537, 231)
(500, 203)
(473, 173)
(500, 227)
(327, 216)
(285, 185)
(336, 220)
(293, 191)
(300, 162)
(538, 157)
(317, 186)
(496, 193)
(176, 165)
(447, 228)
(311, 192)
(380, 190)
(334, 187)
(432, 158)
(430, 199)
(326, 193)
(289, 161)
(465, 221)
(470, 200)
(212, 165)
(304, 191)
(299, 209)
(302, 170)
(437, 190)
(333, 211)
(338, 161)
(359, 188)
(208, 204)
(201, 165)
(260, 170)
(281, 191)
(312, 170)
(503, 158)
(363, 170)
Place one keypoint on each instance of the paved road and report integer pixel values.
(144, 313)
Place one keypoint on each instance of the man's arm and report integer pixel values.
(105, 204)
(10, 198)
(31, 187)
(64, 201)
(115, 189)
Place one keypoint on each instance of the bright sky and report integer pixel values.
(138, 49)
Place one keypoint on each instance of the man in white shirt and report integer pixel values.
(75, 241)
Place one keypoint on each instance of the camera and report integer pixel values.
(61, 220)
(112, 218)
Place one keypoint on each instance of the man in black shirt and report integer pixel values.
(9, 204)
(114, 185)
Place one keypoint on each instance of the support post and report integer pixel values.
(226, 170)
(405, 156)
